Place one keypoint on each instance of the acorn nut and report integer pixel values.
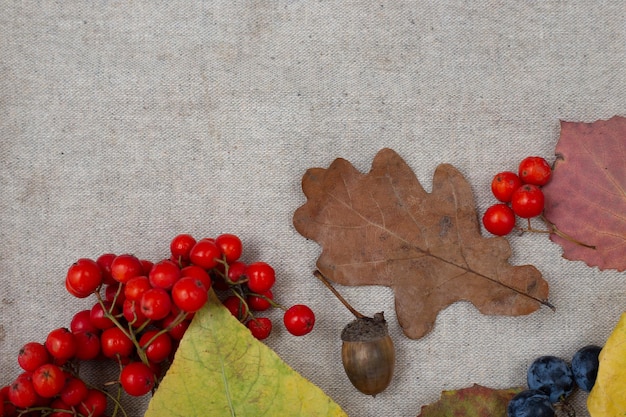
(367, 352)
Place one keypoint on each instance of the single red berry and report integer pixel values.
(197, 272)
(236, 307)
(22, 393)
(164, 274)
(94, 405)
(176, 332)
(299, 320)
(48, 380)
(99, 315)
(157, 345)
(61, 344)
(260, 327)
(137, 379)
(115, 343)
(504, 184)
(146, 266)
(125, 267)
(133, 314)
(230, 245)
(205, 253)
(74, 391)
(181, 245)
(32, 355)
(84, 277)
(104, 262)
(7, 409)
(499, 219)
(156, 303)
(61, 409)
(73, 292)
(528, 201)
(87, 345)
(189, 294)
(261, 277)
(535, 170)
(236, 271)
(81, 322)
(135, 287)
(114, 293)
(260, 302)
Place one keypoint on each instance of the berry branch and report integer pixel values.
(141, 311)
(521, 195)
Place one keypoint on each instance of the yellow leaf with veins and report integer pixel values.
(608, 396)
(220, 369)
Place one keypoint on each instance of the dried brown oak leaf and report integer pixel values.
(383, 228)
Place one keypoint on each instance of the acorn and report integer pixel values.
(367, 351)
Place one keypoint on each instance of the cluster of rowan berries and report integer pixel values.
(141, 312)
(519, 194)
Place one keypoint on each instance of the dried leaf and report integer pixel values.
(383, 228)
(586, 197)
(475, 401)
(220, 369)
(607, 398)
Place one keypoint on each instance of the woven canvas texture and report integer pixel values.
(124, 123)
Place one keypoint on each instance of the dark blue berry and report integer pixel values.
(551, 375)
(585, 365)
(530, 403)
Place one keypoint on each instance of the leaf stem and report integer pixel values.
(552, 229)
(556, 231)
(327, 283)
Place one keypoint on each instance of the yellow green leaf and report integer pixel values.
(220, 369)
(608, 396)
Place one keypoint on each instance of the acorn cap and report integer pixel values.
(365, 329)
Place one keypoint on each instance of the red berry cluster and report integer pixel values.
(141, 312)
(522, 191)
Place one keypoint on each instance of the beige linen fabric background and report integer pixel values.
(124, 123)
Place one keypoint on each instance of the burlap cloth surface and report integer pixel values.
(124, 123)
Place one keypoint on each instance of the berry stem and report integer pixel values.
(116, 401)
(242, 303)
(272, 302)
(177, 320)
(140, 328)
(327, 283)
(224, 274)
(128, 332)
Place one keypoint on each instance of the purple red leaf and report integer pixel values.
(586, 197)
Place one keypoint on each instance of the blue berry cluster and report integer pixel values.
(551, 380)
